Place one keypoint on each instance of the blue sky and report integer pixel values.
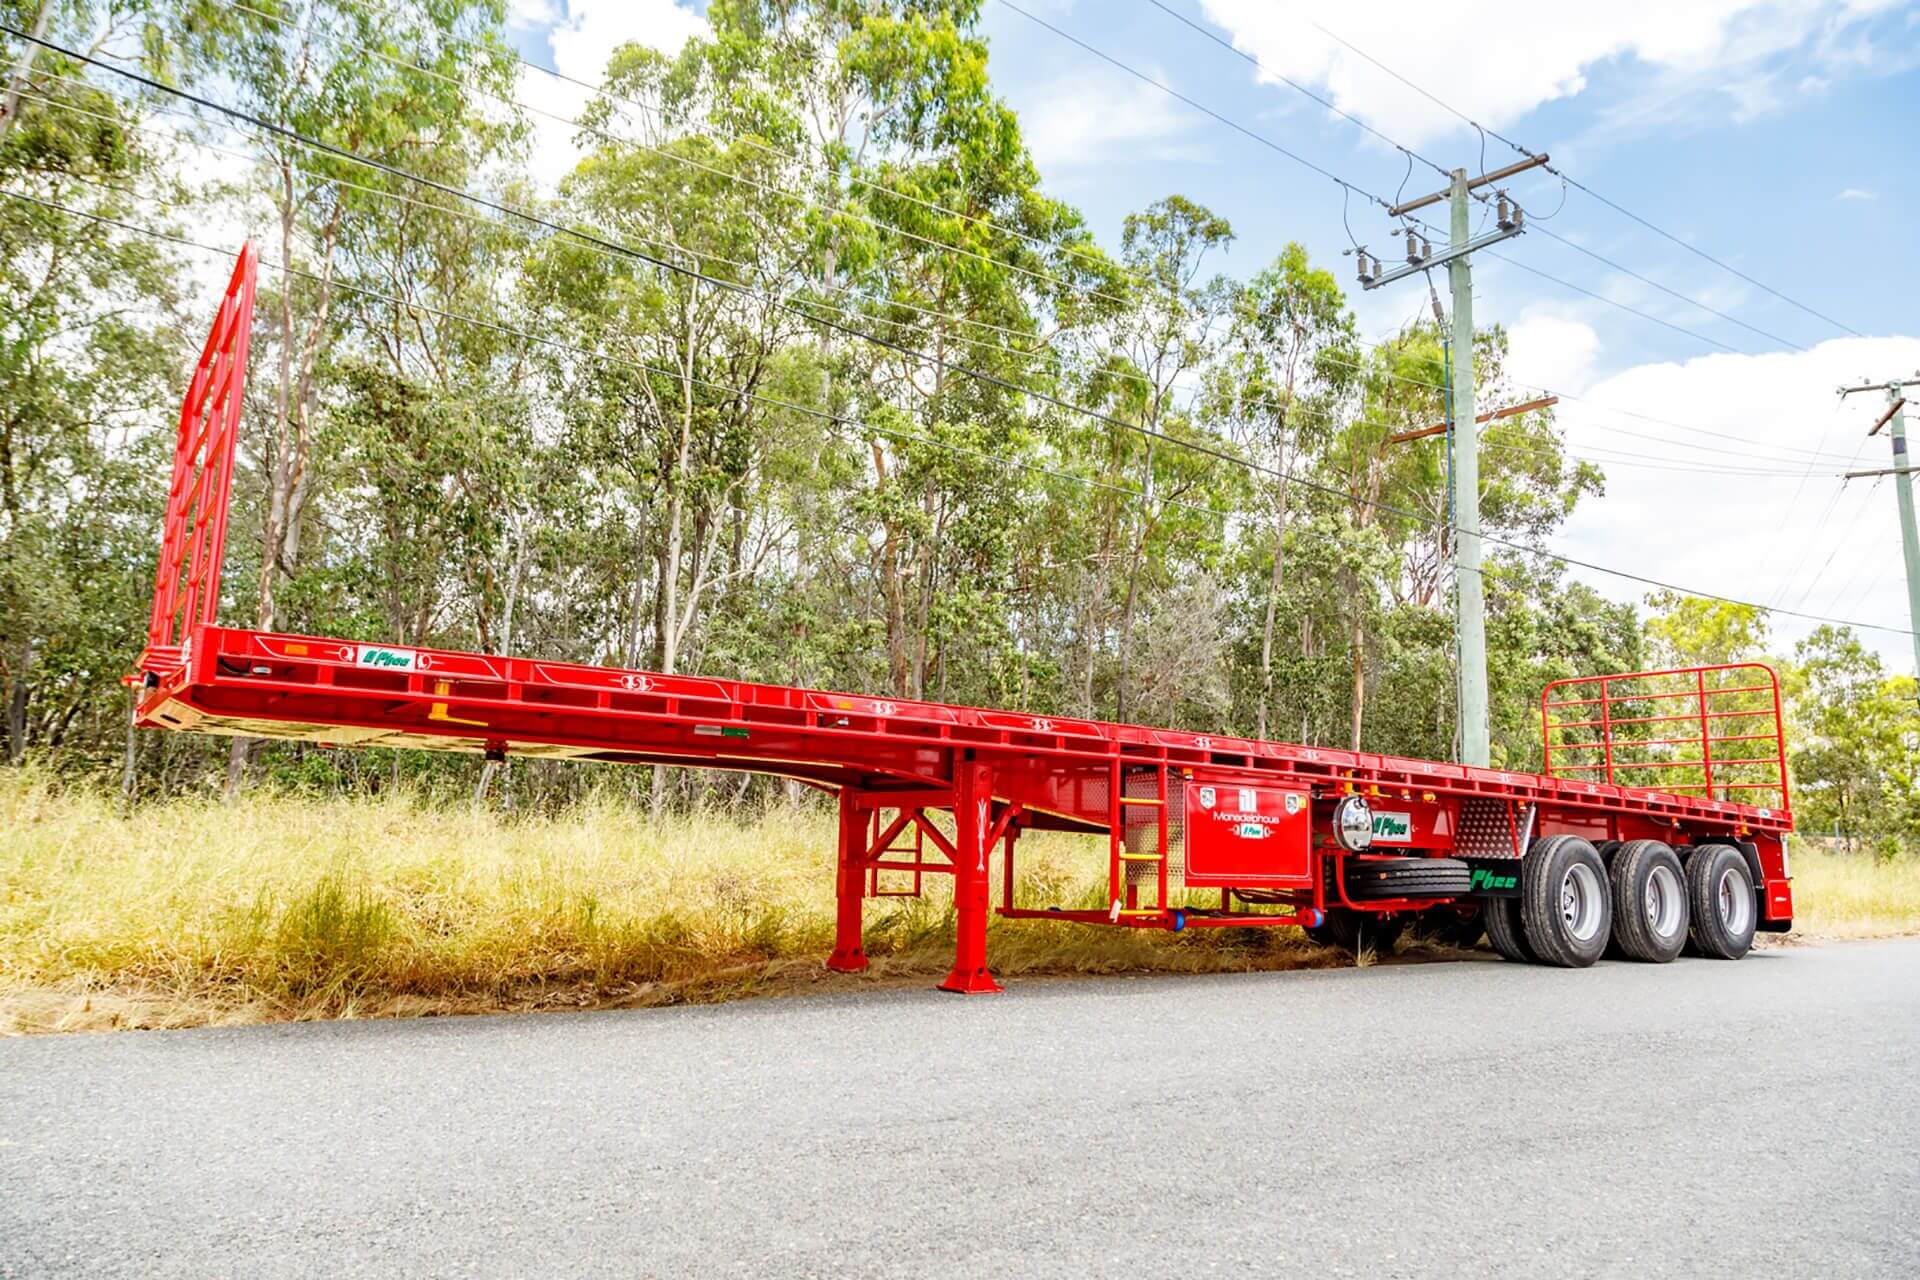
(1778, 137)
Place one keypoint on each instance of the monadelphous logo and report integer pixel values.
(385, 658)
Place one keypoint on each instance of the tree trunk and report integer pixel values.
(23, 71)
(505, 646)
(129, 775)
(892, 589)
(1359, 683)
(286, 491)
(1273, 604)
(17, 706)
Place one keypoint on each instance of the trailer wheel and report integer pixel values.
(1504, 931)
(1649, 902)
(1720, 895)
(1354, 930)
(1565, 907)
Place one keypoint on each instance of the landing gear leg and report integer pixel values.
(973, 823)
(850, 888)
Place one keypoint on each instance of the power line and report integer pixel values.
(1672, 293)
(1574, 182)
(1617, 305)
(1397, 145)
(1245, 464)
(1860, 512)
(689, 161)
(1171, 92)
(932, 206)
(1296, 86)
(1265, 141)
(1625, 458)
(1610, 457)
(1031, 353)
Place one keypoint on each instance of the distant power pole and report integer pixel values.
(1902, 473)
(1470, 625)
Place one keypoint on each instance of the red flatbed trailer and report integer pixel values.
(1553, 864)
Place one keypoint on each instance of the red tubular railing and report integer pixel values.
(186, 590)
(1570, 746)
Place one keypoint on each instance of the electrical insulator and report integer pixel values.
(1504, 219)
(1413, 246)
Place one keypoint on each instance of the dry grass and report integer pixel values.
(1854, 896)
(194, 912)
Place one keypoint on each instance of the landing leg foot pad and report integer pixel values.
(971, 982)
(847, 961)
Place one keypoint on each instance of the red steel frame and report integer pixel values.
(896, 765)
(186, 589)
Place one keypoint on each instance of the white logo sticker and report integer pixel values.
(1207, 797)
(386, 659)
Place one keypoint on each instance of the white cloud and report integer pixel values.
(592, 29)
(1074, 123)
(533, 13)
(1522, 56)
(1856, 193)
(583, 37)
(1555, 350)
(1796, 538)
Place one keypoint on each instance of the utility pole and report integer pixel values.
(1902, 472)
(1470, 626)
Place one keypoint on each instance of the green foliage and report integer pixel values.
(1856, 757)
(464, 433)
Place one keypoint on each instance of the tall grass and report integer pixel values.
(193, 911)
(1839, 895)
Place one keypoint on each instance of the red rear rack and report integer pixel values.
(1716, 732)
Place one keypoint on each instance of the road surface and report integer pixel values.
(1463, 1118)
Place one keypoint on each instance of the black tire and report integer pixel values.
(1375, 879)
(1504, 930)
(1721, 902)
(1650, 902)
(1355, 930)
(1566, 907)
(1606, 849)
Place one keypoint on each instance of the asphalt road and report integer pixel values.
(1463, 1118)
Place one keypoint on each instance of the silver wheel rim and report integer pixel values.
(1663, 902)
(1580, 906)
(1733, 900)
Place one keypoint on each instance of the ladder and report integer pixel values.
(1123, 890)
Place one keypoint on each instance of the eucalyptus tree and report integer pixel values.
(1291, 366)
(691, 321)
(347, 75)
(1155, 350)
(88, 359)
